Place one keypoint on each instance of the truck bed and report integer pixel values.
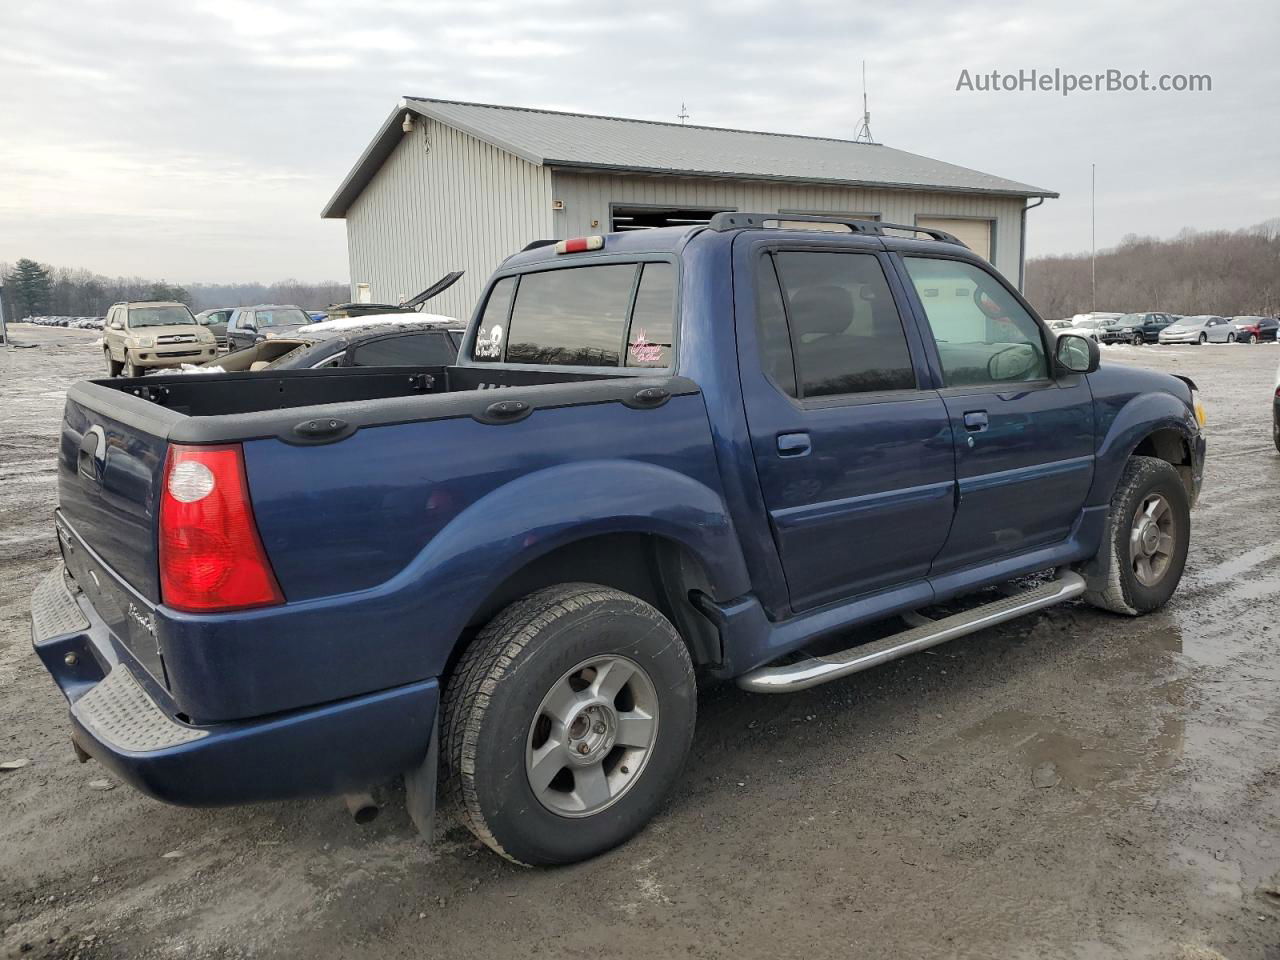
(352, 474)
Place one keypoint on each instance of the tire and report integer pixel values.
(1113, 578)
(1251, 339)
(1137, 340)
(1275, 432)
(113, 366)
(527, 665)
(1204, 338)
(1231, 338)
(131, 369)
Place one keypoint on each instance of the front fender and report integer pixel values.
(1121, 430)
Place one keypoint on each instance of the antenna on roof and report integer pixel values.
(864, 130)
(683, 114)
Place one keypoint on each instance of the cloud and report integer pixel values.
(199, 141)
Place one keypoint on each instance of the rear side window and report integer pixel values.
(571, 316)
(653, 317)
(845, 330)
(407, 350)
(491, 334)
(771, 330)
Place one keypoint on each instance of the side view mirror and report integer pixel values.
(1077, 354)
(116, 325)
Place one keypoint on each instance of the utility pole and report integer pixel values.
(683, 114)
(4, 337)
(1093, 234)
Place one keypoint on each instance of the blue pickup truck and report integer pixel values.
(709, 450)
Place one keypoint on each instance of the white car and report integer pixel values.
(1205, 328)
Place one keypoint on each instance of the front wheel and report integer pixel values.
(1204, 338)
(131, 369)
(1144, 547)
(1231, 338)
(1137, 340)
(113, 366)
(1251, 338)
(567, 722)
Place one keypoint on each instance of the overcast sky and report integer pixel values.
(199, 141)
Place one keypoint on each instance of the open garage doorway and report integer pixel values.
(648, 217)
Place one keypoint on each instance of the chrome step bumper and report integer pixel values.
(924, 633)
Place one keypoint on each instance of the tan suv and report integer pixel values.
(147, 334)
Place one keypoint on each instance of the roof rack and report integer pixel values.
(740, 221)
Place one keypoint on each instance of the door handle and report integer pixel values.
(976, 420)
(793, 445)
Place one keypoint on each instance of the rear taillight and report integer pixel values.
(211, 557)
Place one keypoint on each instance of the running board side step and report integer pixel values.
(924, 633)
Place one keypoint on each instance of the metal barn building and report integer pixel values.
(460, 186)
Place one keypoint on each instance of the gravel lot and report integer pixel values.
(893, 814)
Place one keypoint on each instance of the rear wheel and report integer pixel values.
(1231, 338)
(1144, 547)
(567, 722)
(113, 366)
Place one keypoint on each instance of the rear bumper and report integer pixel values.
(122, 719)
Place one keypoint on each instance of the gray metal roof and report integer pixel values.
(587, 142)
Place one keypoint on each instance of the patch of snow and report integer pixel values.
(379, 320)
(197, 368)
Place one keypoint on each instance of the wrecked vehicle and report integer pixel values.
(717, 447)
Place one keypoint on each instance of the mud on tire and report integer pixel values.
(496, 708)
(1115, 576)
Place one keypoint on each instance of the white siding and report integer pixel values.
(460, 205)
(587, 197)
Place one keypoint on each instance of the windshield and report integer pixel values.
(281, 317)
(1130, 319)
(159, 316)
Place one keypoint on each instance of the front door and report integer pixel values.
(854, 459)
(1024, 440)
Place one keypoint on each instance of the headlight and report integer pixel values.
(140, 342)
(1199, 408)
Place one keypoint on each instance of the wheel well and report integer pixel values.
(659, 571)
(1170, 446)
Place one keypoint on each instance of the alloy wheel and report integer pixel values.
(592, 736)
(1151, 539)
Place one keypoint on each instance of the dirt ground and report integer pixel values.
(898, 813)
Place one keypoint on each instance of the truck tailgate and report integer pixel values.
(109, 476)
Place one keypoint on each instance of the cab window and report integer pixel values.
(983, 334)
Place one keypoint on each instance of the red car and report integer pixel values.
(1255, 329)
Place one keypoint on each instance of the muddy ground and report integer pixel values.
(894, 814)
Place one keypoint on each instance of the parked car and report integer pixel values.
(647, 458)
(1136, 328)
(1255, 329)
(215, 321)
(1205, 328)
(249, 324)
(377, 344)
(149, 334)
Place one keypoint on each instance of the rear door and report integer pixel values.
(1024, 442)
(852, 449)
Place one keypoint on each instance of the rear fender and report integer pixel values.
(533, 515)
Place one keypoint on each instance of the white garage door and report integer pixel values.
(974, 234)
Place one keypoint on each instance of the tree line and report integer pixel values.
(35, 289)
(1230, 273)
